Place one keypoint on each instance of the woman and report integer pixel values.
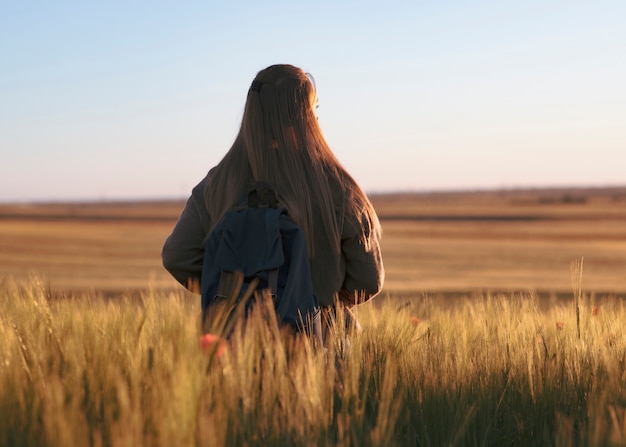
(280, 143)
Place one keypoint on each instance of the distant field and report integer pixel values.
(505, 241)
(439, 243)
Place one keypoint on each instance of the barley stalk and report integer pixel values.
(576, 269)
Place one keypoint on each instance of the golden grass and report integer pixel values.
(492, 370)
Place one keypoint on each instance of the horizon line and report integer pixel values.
(398, 192)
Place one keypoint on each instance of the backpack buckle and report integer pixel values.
(262, 196)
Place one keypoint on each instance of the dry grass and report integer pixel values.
(91, 247)
(493, 370)
(446, 243)
(504, 241)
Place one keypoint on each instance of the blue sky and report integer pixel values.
(126, 100)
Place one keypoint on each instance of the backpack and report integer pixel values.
(258, 241)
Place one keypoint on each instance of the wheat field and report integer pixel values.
(501, 323)
(495, 371)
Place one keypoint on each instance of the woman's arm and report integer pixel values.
(183, 250)
(365, 272)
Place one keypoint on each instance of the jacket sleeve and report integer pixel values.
(183, 250)
(365, 273)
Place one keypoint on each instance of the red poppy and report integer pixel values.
(415, 320)
(213, 343)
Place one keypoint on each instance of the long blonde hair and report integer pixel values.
(280, 143)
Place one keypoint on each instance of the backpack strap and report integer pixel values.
(272, 283)
(227, 285)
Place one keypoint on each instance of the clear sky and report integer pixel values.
(139, 99)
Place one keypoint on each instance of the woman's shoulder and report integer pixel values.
(198, 198)
(200, 188)
(348, 206)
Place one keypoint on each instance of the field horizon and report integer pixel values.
(444, 243)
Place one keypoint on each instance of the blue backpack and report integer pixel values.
(258, 241)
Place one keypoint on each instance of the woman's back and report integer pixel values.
(280, 143)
